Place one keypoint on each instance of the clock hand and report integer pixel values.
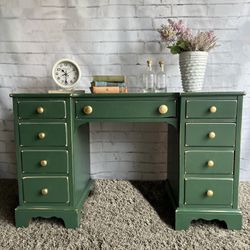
(66, 80)
(65, 72)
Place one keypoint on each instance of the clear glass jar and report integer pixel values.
(161, 79)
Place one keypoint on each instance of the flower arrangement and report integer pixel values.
(180, 38)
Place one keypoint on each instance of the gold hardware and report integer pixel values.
(213, 109)
(163, 109)
(210, 163)
(87, 110)
(43, 163)
(44, 191)
(212, 135)
(40, 110)
(41, 135)
(210, 193)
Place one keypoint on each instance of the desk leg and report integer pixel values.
(22, 218)
(231, 217)
(70, 216)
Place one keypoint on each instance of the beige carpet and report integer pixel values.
(120, 215)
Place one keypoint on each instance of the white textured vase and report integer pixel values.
(193, 67)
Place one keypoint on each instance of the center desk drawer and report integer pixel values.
(44, 161)
(211, 109)
(43, 134)
(208, 191)
(42, 109)
(46, 189)
(210, 134)
(125, 109)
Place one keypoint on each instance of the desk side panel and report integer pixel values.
(173, 162)
(80, 157)
(237, 151)
(18, 151)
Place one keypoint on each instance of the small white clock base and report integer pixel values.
(64, 91)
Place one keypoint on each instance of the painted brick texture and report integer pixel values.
(117, 37)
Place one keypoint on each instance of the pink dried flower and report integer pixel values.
(203, 41)
(168, 34)
(180, 38)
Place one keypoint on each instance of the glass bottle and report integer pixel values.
(161, 79)
(149, 78)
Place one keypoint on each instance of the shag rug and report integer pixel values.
(121, 215)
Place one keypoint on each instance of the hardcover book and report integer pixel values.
(104, 84)
(108, 89)
(109, 78)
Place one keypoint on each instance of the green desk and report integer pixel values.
(53, 153)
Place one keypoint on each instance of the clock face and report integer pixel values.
(66, 73)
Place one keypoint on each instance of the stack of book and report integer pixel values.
(108, 84)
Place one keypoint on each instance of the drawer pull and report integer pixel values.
(44, 191)
(87, 110)
(41, 135)
(43, 163)
(40, 110)
(213, 109)
(163, 109)
(210, 163)
(211, 135)
(210, 193)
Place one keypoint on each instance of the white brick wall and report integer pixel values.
(117, 37)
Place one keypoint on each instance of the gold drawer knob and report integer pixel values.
(210, 163)
(163, 109)
(43, 163)
(41, 135)
(88, 110)
(213, 109)
(211, 135)
(210, 193)
(40, 110)
(44, 191)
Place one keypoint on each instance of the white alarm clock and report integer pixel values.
(66, 73)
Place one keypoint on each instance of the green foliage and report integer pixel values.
(175, 49)
(179, 47)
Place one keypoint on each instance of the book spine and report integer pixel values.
(104, 84)
(113, 89)
(108, 78)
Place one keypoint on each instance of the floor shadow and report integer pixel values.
(155, 193)
(8, 199)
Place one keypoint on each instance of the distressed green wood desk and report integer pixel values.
(52, 149)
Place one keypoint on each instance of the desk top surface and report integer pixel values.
(124, 95)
